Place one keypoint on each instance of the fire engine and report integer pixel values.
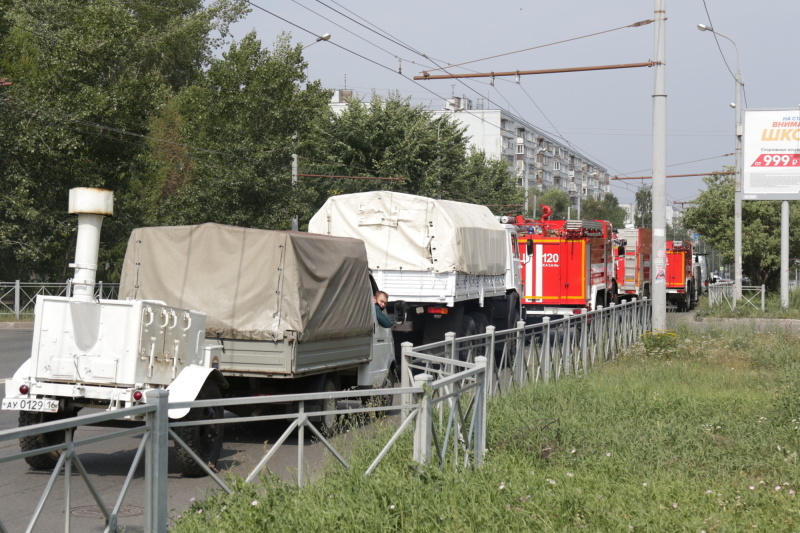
(633, 248)
(567, 265)
(680, 276)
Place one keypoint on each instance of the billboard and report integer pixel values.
(771, 154)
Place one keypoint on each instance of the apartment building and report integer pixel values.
(539, 161)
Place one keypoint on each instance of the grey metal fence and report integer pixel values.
(445, 387)
(18, 299)
(722, 293)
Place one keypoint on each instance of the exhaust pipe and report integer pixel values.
(91, 205)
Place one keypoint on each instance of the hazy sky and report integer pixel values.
(606, 115)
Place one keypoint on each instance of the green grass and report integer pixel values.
(687, 432)
(9, 317)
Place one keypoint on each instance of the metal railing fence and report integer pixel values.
(19, 298)
(445, 387)
(722, 293)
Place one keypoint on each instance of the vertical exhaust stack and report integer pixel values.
(91, 205)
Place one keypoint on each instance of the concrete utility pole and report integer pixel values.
(659, 206)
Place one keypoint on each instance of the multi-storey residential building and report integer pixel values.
(538, 160)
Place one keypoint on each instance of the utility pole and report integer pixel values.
(295, 219)
(659, 205)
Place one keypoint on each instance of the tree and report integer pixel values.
(605, 209)
(87, 77)
(246, 113)
(643, 216)
(389, 138)
(712, 217)
(557, 200)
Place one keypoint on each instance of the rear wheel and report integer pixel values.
(467, 329)
(45, 461)
(326, 424)
(205, 440)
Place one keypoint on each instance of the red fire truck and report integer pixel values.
(633, 248)
(680, 276)
(567, 265)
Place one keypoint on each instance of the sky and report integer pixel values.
(605, 115)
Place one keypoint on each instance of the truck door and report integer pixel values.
(556, 272)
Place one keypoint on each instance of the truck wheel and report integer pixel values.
(205, 440)
(389, 382)
(481, 322)
(45, 461)
(327, 423)
(467, 328)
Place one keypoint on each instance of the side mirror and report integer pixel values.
(529, 248)
(400, 309)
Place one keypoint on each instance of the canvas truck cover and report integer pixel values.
(253, 284)
(407, 232)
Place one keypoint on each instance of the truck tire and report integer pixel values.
(481, 322)
(205, 440)
(466, 328)
(389, 382)
(45, 461)
(327, 424)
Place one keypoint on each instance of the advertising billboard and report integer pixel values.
(771, 154)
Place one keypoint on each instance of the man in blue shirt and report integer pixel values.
(381, 299)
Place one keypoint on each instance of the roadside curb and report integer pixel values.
(16, 325)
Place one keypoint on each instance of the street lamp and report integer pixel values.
(296, 219)
(324, 37)
(737, 194)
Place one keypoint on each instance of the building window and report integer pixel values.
(556, 165)
(520, 148)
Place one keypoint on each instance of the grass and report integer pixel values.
(689, 432)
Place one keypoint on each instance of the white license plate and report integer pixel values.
(30, 404)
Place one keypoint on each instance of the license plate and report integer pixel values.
(30, 404)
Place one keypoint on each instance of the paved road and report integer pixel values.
(108, 463)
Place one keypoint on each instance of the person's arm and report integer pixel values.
(383, 320)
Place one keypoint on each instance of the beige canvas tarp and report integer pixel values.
(253, 284)
(408, 232)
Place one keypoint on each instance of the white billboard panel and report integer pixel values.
(771, 154)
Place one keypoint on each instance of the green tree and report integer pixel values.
(389, 138)
(712, 217)
(88, 77)
(247, 113)
(643, 215)
(606, 208)
(558, 201)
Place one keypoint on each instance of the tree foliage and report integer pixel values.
(606, 208)
(643, 214)
(712, 217)
(87, 78)
(558, 201)
(394, 145)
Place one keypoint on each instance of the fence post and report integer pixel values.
(584, 322)
(490, 389)
(155, 473)
(546, 355)
(405, 378)
(763, 298)
(423, 431)
(16, 299)
(480, 422)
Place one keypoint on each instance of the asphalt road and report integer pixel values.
(108, 463)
